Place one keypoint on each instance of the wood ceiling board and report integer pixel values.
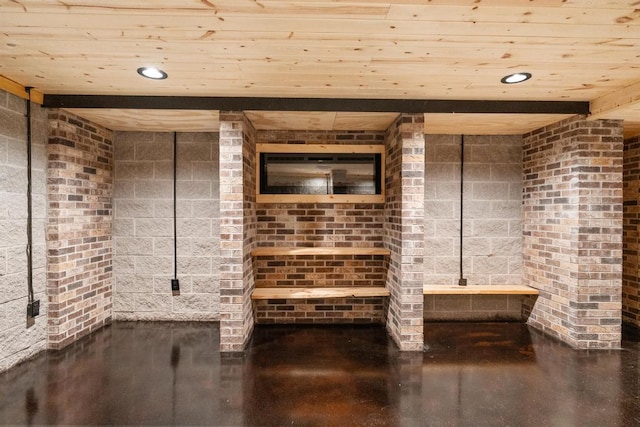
(363, 121)
(628, 96)
(291, 120)
(220, 8)
(487, 124)
(152, 120)
(318, 120)
(201, 38)
(401, 18)
(622, 104)
(598, 14)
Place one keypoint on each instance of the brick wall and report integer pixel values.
(320, 137)
(20, 342)
(237, 229)
(631, 237)
(143, 234)
(79, 228)
(404, 229)
(492, 241)
(320, 225)
(573, 230)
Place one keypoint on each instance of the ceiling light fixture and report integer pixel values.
(152, 73)
(515, 78)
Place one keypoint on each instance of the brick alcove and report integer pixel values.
(394, 225)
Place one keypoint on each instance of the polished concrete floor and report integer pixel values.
(470, 374)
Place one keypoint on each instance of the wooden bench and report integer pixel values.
(281, 292)
(295, 251)
(479, 290)
(312, 293)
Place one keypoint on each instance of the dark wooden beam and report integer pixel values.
(315, 104)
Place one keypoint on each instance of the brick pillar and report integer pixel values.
(631, 237)
(404, 232)
(79, 227)
(237, 229)
(572, 212)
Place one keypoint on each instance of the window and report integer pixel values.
(320, 173)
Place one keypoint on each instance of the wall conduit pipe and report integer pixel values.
(175, 283)
(461, 281)
(33, 306)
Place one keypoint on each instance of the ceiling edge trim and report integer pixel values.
(316, 104)
(20, 90)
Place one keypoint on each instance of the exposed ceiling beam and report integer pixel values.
(315, 104)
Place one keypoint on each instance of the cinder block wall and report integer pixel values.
(573, 230)
(19, 342)
(492, 227)
(320, 224)
(143, 234)
(631, 236)
(79, 227)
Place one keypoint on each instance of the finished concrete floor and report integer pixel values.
(470, 374)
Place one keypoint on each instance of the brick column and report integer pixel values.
(237, 229)
(79, 228)
(404, 229)
(631, 238)
(573, 230)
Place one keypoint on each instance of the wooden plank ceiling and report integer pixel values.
(396, 49)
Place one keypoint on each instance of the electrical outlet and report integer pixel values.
(33, 309)
(462, 282)
(175, 285)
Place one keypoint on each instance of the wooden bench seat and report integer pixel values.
(282, 251)
(479, 290)
(329, 292)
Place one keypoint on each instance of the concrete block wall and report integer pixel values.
(19, 341)
(492, 227)
(143, 232)
(573, 230)
(404, 229)
(320, 225)
(79, 227)
(631, 236)
(237, 229)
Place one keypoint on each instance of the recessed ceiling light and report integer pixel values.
(515, 78)
(152, 73)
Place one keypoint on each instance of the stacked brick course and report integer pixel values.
(492, 241)
(237, 229)
(79, 230)
(631, 242)
(19, 341)
(404, 229)
(321, 224)
(352, 137)
(573, 230)
(143, 226)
